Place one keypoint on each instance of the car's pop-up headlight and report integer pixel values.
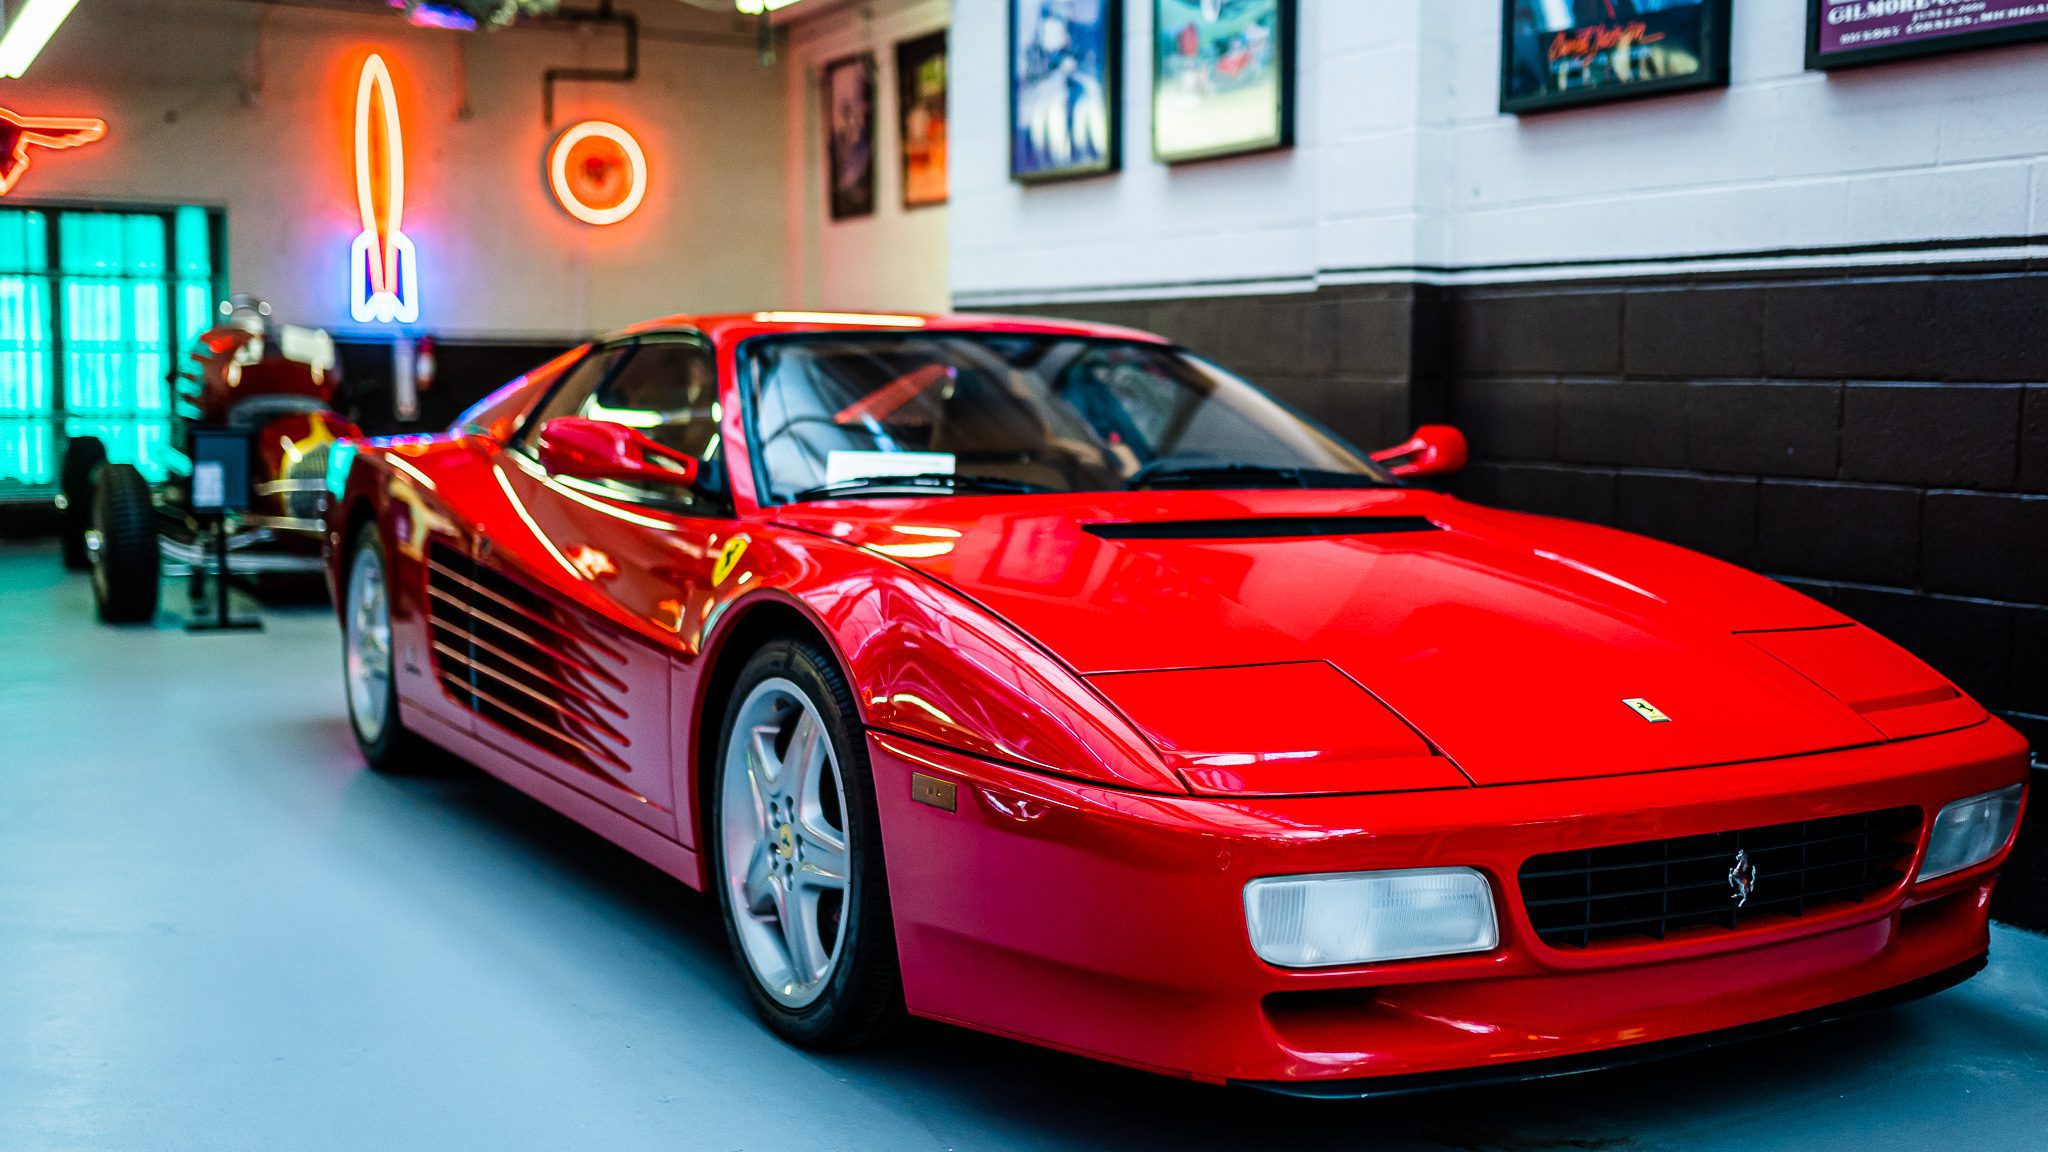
(1367, 917)
(1971, 831)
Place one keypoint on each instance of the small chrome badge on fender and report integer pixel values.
(934, 791)
(1647, 710)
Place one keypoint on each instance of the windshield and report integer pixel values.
(988, 412)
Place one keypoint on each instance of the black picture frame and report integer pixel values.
(912, 56)
(849, 199)
(1715, 23)
(1112, 83)
(1286, 15)
(1816, 61)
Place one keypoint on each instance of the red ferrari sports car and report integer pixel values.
(1047, 679)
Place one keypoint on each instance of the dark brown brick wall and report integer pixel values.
(465, 373)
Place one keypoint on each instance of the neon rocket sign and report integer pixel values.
(383, 269)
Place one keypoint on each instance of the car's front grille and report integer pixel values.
(1655, 888)
(509, 653)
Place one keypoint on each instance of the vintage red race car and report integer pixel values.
(1049, 680)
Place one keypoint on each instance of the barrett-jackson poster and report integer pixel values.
(1562, 52)
(1846, 32)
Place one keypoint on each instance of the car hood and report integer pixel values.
(1514, 645)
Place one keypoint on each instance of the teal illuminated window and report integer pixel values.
(95, 308)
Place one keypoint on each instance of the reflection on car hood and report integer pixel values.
(1512, 643)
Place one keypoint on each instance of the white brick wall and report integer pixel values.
(1403, 161)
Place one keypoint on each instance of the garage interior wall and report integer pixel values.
(1794, 323)
(896, 259)
(247, 109)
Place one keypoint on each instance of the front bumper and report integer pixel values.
(1111, 923)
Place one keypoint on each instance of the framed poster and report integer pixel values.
(1562, 53)
(1846, 33)
(1222, 77)
(1066, 88)
(921, 118)
(850, 135)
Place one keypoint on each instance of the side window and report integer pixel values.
(668, 389)
(568, 399)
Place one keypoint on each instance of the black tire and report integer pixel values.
(862, 1002)
(83, 456)
(392, 749)
(127, 570)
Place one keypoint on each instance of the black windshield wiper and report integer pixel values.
(1248, 476)
(947, 480)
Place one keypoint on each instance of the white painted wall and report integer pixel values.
(249, 108)
(896, 258)
(1404, 163)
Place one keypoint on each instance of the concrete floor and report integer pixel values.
(217, 931)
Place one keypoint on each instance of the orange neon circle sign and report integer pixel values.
(598, 172)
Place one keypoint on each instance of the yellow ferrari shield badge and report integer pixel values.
(728, 559)
(1647, 710)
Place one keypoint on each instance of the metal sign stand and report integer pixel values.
(220, 483)
(222, 618)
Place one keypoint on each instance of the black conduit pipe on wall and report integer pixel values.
(602, 14)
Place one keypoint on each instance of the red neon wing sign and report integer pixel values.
(18, 133)
(383, 280)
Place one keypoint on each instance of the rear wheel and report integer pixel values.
(126, 567)
(83, 456)
(798, 853)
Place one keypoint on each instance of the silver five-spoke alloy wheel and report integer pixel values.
(783, 817)
(368, 645)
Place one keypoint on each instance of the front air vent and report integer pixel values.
(507, 652)
(1260, 528)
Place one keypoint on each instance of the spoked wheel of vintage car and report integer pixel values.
(367, 665)
(127, 569)
(798, 853)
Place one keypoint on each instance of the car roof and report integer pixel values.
(732, 327)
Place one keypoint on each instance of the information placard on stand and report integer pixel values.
(220, 488)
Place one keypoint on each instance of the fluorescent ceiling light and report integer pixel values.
(28, 32)
(756, 7)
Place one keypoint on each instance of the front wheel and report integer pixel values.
(373, 714)
(798, 853)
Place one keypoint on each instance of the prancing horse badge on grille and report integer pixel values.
(1742, 878)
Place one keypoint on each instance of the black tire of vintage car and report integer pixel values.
(127, 569)
(83, 457)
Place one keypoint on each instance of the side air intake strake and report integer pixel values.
(1260, 528)
(508, 653)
